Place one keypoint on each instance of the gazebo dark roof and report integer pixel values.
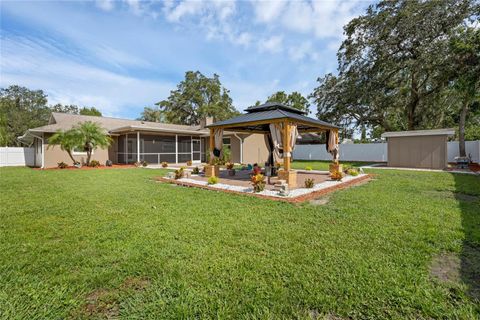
(259, 117)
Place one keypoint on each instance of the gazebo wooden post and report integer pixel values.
(212, 145)
(211, 169)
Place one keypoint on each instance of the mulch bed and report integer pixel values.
(299, 199)
(115, 166)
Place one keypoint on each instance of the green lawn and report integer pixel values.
(323, 165)
(108, 243)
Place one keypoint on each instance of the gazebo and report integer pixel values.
(281, 125)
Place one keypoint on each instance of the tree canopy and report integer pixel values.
(152, 114)
(195, 98)
(21, 109)
(295, 100)
(393, 66)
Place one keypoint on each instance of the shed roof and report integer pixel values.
(258, 117)
(414, 133)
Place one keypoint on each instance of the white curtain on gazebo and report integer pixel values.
(218, 134)
(332, 145)
(276, 131)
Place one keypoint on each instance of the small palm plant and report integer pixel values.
(92, 136)
(67, 140)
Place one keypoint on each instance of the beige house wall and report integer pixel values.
(418, 152)
(255, 149)
(54, 155)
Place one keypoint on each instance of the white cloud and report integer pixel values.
(28, 63)
(302, 51)
(106, 5)
(266, 11)
(272, 44)
(219, 9)
(322, 18)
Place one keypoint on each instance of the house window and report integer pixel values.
(77, 151)
(226, 143)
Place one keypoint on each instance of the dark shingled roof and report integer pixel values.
(271, 111)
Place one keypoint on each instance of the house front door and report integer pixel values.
(196, 151)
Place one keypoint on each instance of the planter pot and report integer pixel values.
(212, 170)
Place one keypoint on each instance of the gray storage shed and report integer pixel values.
(418, 148)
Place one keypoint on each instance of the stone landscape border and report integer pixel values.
(297, 199)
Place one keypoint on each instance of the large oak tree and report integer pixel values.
(392, 66)
(195, 98)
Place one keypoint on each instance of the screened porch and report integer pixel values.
(157, 148)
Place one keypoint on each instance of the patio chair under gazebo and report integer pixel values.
(281, 125)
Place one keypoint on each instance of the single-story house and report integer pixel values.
(135, 140)
(425, 149)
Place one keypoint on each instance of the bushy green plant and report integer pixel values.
(94, 163)
(144, 163)
(258, 182)
(62, 165)
(189, 163)
(164, 164)
(196, 170)
(229, 165)
(309, 183)
(353, 172)
(212, 180)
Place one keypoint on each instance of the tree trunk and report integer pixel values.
(461, 130)
(89, 155)
(412, 105)
(71, 156)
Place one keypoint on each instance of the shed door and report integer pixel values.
(428, 152)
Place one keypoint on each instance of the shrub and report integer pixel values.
(309, 183)
(189, 163)
(229, 165)
(164, 164)
(195, 170)
(212, 180)
(144, 163)
(179, 173)
(94, 163)
(258, 182)
(62, 165)
(353, 172)
(336, 175)
(308, 168)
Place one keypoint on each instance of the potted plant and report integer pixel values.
(164, 164)
(231, 171)
(179, 173)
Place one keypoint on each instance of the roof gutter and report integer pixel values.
(137, 128)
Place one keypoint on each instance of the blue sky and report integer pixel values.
(121, 56)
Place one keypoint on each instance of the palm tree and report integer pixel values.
(67, 140)
(92, 136)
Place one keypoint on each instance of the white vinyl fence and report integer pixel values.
(10, 156)
(374, 152)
